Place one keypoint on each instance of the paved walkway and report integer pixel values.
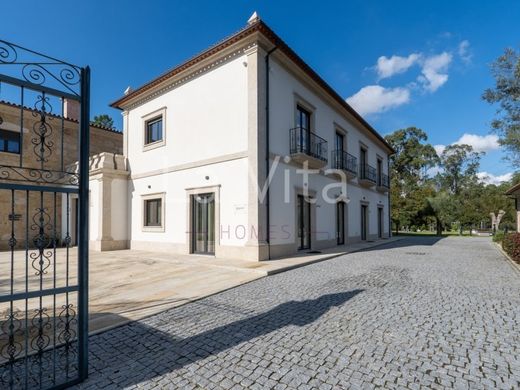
(419, 312)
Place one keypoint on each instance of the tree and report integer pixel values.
(409, 173)
(460, 165)
(506, 92)
(103, 120)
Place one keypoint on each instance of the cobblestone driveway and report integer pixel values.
(417, 313)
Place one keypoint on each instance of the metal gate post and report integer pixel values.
(83, 241)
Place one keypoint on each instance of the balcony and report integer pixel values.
(307, 147)
(345, 162)
(367, 175)
(383, 183)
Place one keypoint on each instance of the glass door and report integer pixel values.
(203, 223)
(340, 223)
(380, 222)
(364, 216)
(304, 223)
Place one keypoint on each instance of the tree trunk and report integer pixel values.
(439, 226)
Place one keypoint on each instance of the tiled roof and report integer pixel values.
(257, 26)
(59, 116)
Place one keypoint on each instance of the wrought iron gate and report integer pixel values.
(43, 171)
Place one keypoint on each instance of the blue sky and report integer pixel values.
(434, 70)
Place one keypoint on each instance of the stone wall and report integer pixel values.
(101, 140)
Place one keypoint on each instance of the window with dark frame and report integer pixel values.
(9, 141)
(152, 212)
(154, 130)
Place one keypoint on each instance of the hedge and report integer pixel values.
(511, 245)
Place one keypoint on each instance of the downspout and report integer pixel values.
(267, 163)
(389, 205)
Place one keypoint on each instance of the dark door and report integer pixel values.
(380, 222)
(339, 146)
(379, 171)
(303, 123)
(340, 223)
(203, 223)
(364, 222)
(304, 223)
(362, 162)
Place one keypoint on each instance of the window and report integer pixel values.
(340, 141)
(154, 130)
(153, 212)
(9, 141)
(303, 118)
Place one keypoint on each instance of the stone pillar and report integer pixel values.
(257, 216)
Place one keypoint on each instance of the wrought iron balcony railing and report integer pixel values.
(345, 161)
(305, 141)
(383, 181)
(367, 172)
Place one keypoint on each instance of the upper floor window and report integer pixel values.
(154, 130)
(303, 118)
(9, 141)
(339, 141)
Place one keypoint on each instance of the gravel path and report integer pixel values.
(420, 312)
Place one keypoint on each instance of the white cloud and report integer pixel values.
(480, 143)
(374, 99)
(439, 149)
(464, 52)
(387, 67)
(489, 178)
(434, 71)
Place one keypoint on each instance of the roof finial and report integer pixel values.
(253, 19)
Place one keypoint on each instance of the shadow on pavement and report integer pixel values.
(406, 241)
(136, 352)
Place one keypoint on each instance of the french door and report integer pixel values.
(364, 222)
(203, 223)
(304, 223)
(340, 223)
(380, 222)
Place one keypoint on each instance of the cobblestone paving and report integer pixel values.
(417, 313)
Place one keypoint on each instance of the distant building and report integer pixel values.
(514, 192)
(20, 157)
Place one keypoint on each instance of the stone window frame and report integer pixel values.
(159, 113)
(144, 198)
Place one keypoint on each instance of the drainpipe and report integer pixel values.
(267, 163)
(389, 205)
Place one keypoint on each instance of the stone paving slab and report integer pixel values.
(417, 313)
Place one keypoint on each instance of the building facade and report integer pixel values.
(20, 162)
(245, 152)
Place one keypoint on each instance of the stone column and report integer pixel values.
(257, 216)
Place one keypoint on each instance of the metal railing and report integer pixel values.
(367, 172)
(383, 181)
(343, 160)
(305, 141)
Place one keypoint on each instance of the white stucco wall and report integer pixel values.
(286, 92)
(205, 117)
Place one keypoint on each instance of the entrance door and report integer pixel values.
(203, 223)
(304, 223)
(380, 222)
(340, 223)
(364, 222)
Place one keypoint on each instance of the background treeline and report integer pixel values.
(443, 191)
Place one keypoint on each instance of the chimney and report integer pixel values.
(71, 109)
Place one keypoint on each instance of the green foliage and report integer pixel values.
(103, 120)
(506, 93)
(499, 236)
(511, 245)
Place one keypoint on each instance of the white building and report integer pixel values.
(198, 141)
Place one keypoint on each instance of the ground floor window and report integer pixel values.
(153, 212)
